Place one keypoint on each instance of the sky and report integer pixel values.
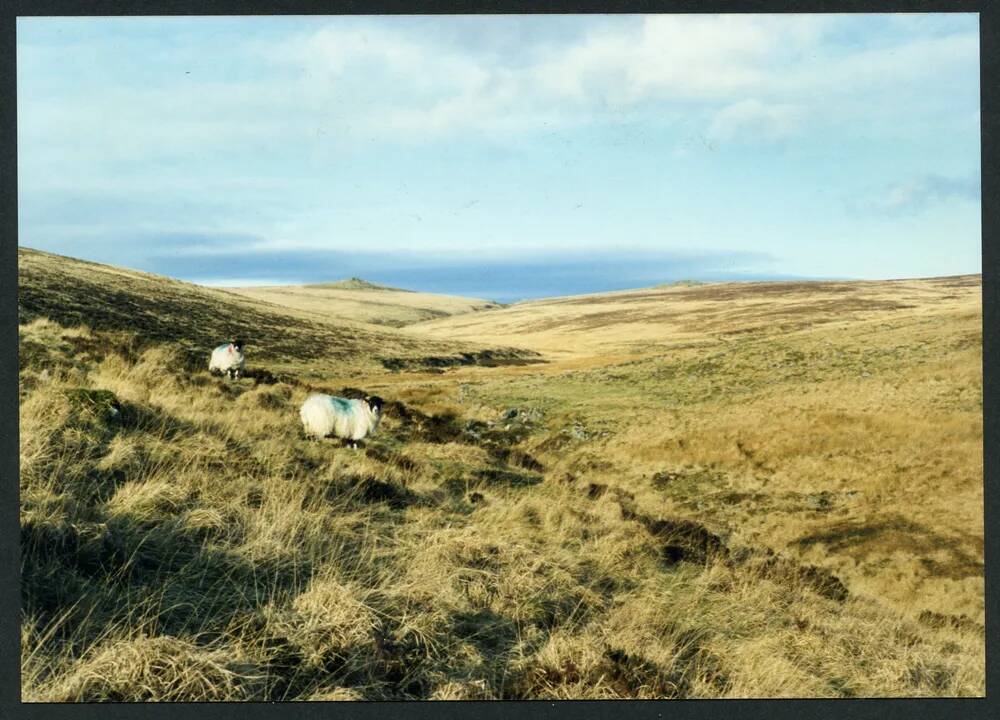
(503, 156)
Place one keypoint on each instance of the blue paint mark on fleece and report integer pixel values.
(222, 347)
(340, 405)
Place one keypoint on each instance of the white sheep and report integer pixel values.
(227, 359)
(350, 420)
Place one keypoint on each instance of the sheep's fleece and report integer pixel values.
(226, 358)
(324, 415)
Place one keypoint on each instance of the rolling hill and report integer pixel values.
(356, 300)
(634, 319)
(719, 491)
(155, 309)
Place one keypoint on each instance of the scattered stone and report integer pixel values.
(576, 431)
(820, 501)
(102, 404)
(663, 479)
(532, 415)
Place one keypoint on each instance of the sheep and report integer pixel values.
(350, 420)
(227, 359)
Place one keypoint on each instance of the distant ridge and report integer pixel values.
(680, 283)
(355, 283)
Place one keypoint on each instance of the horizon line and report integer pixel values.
(225, 284)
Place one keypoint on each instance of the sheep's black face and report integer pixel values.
(238, 344)
(375, 403)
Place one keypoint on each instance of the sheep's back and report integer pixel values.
(222, 360)
(323, 415)
(317, 416)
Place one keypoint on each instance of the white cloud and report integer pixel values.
(917, 194)
(275, 128)
(677, 57)
(764, 72)
(755, 121)
(737, 76)
(662, 58)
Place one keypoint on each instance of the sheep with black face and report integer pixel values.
(349, 420)
(227, 359)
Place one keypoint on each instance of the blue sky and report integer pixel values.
(503, 156)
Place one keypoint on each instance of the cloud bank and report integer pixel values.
(541, 275)
(152, 139)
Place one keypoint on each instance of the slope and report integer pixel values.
(655, 318)
(359, 301)
(155, 309)
(769, 513)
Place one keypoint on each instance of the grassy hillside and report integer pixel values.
(357, 301)
(356, 283)
(151, 309)
(684, 501)
(658, 318)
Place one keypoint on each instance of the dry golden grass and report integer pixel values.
(356, 303)
(712, 506)
(138, 309)
(655, 319)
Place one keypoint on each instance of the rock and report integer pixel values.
(102, 404)
(820, 501)
(518, 415)
(532, 415)
(661, 480)
(577, 432)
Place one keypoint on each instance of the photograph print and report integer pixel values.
(500, 357)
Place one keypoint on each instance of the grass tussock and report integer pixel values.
(161, 669)
(754, 516)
